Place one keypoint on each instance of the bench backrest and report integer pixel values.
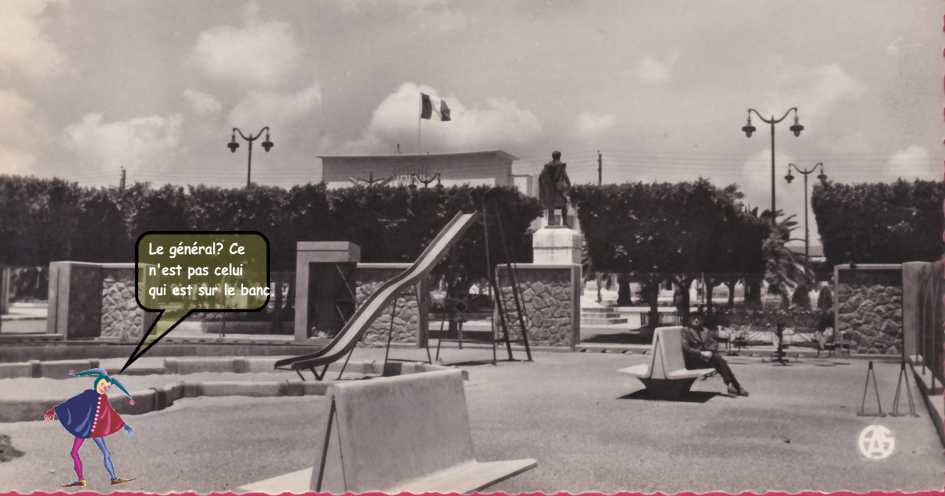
(393, 429)
(667, 352)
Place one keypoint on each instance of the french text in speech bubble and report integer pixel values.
(180, 272)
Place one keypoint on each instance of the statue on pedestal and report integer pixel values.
(553, 187)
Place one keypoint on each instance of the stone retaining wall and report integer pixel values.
(122, 318)
(412, 306)
(869, 306)
(90, 300)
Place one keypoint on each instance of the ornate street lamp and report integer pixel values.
(749, 129)
(823, 179)
(233, 145)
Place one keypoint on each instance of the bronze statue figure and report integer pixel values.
(553, 186)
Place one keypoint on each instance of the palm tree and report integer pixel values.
(783, 269)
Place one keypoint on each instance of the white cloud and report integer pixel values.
(655, 71)
(133, 143)
(204, 104)
(277, 110)
(21, 134)
(814, 90)
(258, 53)
(25, 48)
(426, 15)
(493, 123)
(914, 162)
(18, 120)
(593, 124)
(19, 162)
(896, 47)
(438, 16)
(756, 184)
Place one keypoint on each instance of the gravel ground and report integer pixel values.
(589, 428)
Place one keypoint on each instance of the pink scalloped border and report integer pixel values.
(805, 493)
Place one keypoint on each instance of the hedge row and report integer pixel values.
(42, 220)
(880, 222)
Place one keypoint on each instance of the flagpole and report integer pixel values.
(419, 121)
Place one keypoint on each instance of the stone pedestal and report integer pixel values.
(556, 245)
(551, 300)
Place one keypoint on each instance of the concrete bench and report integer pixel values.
(404, 433)
(666, 375)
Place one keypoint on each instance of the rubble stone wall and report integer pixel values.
(869, 307)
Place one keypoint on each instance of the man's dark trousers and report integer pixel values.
(716, 362)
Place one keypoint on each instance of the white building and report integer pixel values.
(488, 167)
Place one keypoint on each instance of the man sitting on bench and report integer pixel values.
(700, 351)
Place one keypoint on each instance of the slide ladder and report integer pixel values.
(507, 309)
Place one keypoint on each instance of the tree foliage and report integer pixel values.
(677, 231)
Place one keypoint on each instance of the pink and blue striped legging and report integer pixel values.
(100, 442)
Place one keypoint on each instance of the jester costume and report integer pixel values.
(89, 415)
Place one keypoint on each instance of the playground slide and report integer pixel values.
(348, 336)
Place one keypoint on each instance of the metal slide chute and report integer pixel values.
(348, 337)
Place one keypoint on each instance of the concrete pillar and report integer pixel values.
(318, 294)
(5, 273)
(75, 299)
(913, 273)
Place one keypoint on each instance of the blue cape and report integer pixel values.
(78, 413)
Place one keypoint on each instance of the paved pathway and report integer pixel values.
(588, 426)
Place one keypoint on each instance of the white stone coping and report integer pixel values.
(344, 246)
(384, 265)
(109, 265)
(534, 266)
(868, 267)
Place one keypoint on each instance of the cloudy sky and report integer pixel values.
(660, 88)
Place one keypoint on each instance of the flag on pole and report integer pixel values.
(444, 111)
(426, 106)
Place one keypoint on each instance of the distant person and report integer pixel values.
(701, 351)
(553, 187)
(825, 298)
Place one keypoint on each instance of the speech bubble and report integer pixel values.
(181, 272)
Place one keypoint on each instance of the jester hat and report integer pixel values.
(99, 374)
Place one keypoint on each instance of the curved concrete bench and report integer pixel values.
(407, 433)
(666, 375)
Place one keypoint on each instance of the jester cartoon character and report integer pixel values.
(89, 415)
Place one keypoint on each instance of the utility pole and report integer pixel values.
(121, 183)
(600, 169)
